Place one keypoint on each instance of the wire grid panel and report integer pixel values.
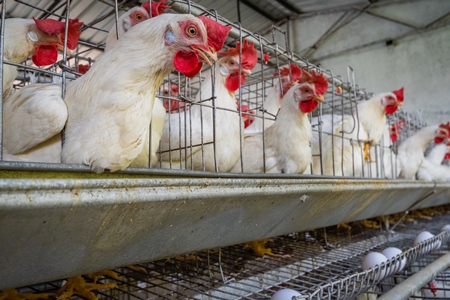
(438, 288)
(201, 146)
(320, 265)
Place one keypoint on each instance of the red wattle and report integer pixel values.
(247, 123)
(393, 138)
(45, 55)
(232, 81)
(186, 62)
(308, 106)
(195, 71)
(172, 103)
(390, 109)
(438, 140)
(447, 156)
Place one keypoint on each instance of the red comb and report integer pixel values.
(50, 26)
(217, 33)
(74, 33)
(398, 125)
(157, 7)
(296, 72)
(266, 57)
(399, 94)
(395, 129)
(320, 82)
(247, 116)
(446, 127)
(447, 155)
(82, 69)
(249, 54)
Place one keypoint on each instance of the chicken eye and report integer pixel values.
(138, 17)
(191, 31)
(231, 62)
(306, 90)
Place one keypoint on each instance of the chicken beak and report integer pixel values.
(246, 72)
(204, 53)
(61, 48)
(399, 104)
(318, 98)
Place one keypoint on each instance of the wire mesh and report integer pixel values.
(320, 264)
(336, 151)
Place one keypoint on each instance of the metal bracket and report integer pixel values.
(413, 205)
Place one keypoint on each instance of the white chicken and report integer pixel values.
(346, 141)
(110, 112)
(286, 146)
(288, 75)
(34, 114)
(159, 110)
(432, 168)
(127, 20)
(411, 151)
(211, 136)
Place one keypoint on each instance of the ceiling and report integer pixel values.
(399, 18)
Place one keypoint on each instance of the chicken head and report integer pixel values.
(311, 90)
(392, 101)
(194, 39)
(288, 76)
(134, 16)
(234, 69)
(171, 106)
(395, 129)
(442, 134)
(48, 37)
(248, 115)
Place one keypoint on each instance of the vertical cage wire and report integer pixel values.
(253, 94)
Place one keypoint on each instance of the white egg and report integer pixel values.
(373, 259)
(445, 227)
(392, 252)
(285, 294)
(422, 237)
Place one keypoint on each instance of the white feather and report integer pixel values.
(342, 151)
(431, 168)
(271, 106)
(286, 142)
(411, 151)
(110, 111)
(385, 163)
(189, 123)
(32, 115)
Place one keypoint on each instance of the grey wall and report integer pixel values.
(419, 62)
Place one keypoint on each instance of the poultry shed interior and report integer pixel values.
(210, 150)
